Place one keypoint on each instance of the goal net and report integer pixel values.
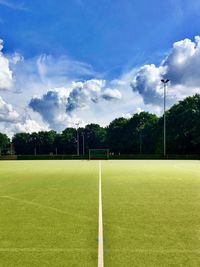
(98, 153)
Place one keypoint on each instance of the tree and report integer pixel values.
(45, 142)
(21, 143)
(183, 126)
(66, 142)
(4, 143)
(116, 136)
(95, 136)
(140, 133)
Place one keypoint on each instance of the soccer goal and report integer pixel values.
(98, 154)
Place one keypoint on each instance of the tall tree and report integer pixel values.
(66, 142)
(140, 133)
(116, 135)
(95, 136)
(4, 143)
(183, 126)
(21, 143)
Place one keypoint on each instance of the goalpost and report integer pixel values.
(98, 153)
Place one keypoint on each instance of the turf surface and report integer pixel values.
(49, 213)
(151, 213)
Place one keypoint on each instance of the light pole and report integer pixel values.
(77, 137)
(164, 126)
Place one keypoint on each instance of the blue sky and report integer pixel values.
(109, 35)
(110, 40)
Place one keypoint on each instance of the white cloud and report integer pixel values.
(62, 67)
(52, 107)
(59, 106)
(28, 126)
(12, 122)
(127, 115)
(181, 66)
(84, 92)
(7, 113)
(111, 94)
(68, 91)
(6, 78)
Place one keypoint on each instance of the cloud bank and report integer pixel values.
(58, 92)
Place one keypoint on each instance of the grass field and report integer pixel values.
(49, 213)
(151, 213)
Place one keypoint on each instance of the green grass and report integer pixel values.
(49, 213)
(151, 213)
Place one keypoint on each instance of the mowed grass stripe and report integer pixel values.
(55, 216)
(139, 233)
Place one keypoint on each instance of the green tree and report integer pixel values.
(116, 135)
(95, 136)
(21, 143)
(140, 133)
(4, 143)
(183, 126)
(66, 142)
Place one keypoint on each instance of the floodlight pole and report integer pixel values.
(77, 137)
(164, 116)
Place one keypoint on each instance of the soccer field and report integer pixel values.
(49, 213)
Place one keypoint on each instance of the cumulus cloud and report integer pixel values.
(90, 91)
(84, 92)
(181, 66)
(28, 126)
(23, 125)
(111, 94)
(12, 122)
(52, 107)
(7, 112)
(6, 77)
(57, 106)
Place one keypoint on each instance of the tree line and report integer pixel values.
(141, 134)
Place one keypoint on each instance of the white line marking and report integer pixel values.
(44, 207)
(100, 238)
(45, 250)
(144, 251)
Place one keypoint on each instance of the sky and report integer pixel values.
(83, 61)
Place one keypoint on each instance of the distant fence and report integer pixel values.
(113, 157)
(154, 156)
(50, 157)
(8, 157)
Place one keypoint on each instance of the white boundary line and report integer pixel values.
(144, 251)
(100, 237)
